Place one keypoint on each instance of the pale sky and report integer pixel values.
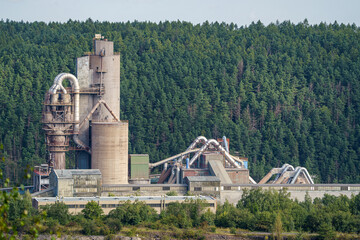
(241, 12)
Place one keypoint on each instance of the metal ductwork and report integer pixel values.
(76, 95)
(217, 145)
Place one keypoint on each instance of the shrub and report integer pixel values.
(58, 211)
(171, 193)
(133, 213)
(114, 224)
(92, 210)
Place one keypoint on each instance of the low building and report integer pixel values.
(159, 203)
(204, 185)
(76, 182)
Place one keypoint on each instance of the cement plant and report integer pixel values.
(85, 118)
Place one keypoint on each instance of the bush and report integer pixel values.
(95, 227)
(58, 211)
(326, 231)
(208, 217)
(191, 234)
(114, 225)
(233, 230)
(92, 210)
(52, 225)
(133, 213)
(132, 232)
(171, 193)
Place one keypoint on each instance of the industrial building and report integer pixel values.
(159, 203)
(86, 118)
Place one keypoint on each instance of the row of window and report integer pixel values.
(154, 205)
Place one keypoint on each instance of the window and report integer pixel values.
(71, 206)
(154, 205)
(136, 188)
(227, 187)
(197, 188)
(166, 188)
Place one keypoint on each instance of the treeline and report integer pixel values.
(282, 93)
(257, 210)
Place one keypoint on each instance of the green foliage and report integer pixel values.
(190, 213)
(92, 210)
(58, 211)
(95, 227)
(171, 193)
(16, 212)
(277, 227)
(326, 231)
(208, 218)
(129, 213)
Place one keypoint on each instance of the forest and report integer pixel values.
(282, 93)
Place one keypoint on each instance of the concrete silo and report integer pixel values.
(90, 112)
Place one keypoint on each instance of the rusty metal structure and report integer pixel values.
(85, 117)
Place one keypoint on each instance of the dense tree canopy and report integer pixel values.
(282, 93)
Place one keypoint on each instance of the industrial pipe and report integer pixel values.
(152, 165)
(76, 91)
(284, 168)
(225, 144)
(252, 180)
(298, 171)
(219, 147)
(193, 144)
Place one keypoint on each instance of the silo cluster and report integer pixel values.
(89, 113)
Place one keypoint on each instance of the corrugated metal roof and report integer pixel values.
(68, 173)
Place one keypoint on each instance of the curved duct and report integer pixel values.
(219, 147)
(298, 171)
(152, 165)
(193, 144)
(53, 89)
(76, 91)
(284, 168)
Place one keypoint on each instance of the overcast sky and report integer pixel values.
(195, 11)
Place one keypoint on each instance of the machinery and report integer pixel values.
(86, 116)
(212, 157)
(287, 174)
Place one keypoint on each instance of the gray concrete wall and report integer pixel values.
(143, 190)
(65, 187)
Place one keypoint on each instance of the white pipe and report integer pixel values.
(193, 144)
(219, 147)
(252, 180)
(177, 174)
(152, 165)
(56, 85)
(225, 144)
(76, 91)
(284, 168)
(298, 171)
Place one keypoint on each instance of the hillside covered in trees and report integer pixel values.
(282, 93)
